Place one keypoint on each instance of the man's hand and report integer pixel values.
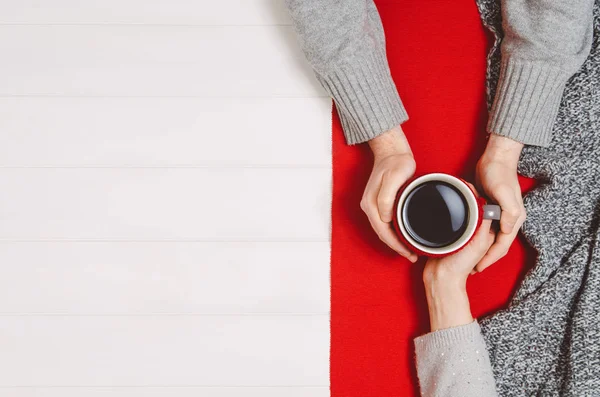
(497, 177)
(394, 165)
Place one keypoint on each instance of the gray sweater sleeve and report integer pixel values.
(454, 362)
(344, 42)
(545, 42)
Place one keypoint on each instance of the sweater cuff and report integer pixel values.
(365, 96)
(527, 99)
(448, 337)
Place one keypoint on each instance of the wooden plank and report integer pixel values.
(154, 12)
(47, 351)
(124, 60)
(66, 131)
(147, 278)
(200, 204)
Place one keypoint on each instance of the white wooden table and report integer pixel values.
(164, 231)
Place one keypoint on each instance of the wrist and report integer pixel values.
(502, 149)
(447, 301)
(437, 274)
(391, 142)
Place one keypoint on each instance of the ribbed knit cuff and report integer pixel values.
(448, 337)
(527, 100)
(365, 96)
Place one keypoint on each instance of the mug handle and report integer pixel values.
(492, 211)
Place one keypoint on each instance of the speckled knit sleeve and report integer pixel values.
(454, 362)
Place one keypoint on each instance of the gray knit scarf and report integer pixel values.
(547, 343)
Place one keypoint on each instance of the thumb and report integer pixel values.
(511, 209)
(481, 241)
(391, 182)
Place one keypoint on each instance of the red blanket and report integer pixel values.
(437, 54)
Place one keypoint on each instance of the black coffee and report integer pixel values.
(435, 214)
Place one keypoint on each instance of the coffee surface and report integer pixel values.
(435, 214)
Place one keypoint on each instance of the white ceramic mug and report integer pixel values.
(476, 210)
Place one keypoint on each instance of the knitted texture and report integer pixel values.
(454, 362)
(547, 342)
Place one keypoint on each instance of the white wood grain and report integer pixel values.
(165, 204)
(153, 61)
(66, 131)
(176, 155)
(167, 392)
(146, 278)
(164, 351)
(173, 12)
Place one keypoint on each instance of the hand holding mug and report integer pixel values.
(445, 281)
(393, 166)
(457, 267)
(496, 175)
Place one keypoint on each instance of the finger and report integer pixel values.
(511, 208)
(521, 205)
(497, 251)
(473, 188)
(484, 228)
(499, 248)
(391, 182)
(481, 239)
(369, 198)
(384, 231)
(368, 202)
(491, 238)
(388, 235)
(477, 247)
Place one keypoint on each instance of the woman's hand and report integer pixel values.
(457, 267)
(496, 174)
(394, 165)
(445, 281)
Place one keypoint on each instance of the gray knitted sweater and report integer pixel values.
(545, 43)
(547, 342)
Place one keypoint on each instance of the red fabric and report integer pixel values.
(436, 51)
